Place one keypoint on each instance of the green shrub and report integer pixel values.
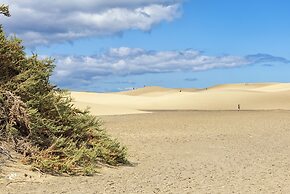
(39, 120)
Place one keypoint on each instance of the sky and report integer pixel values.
(102, 46)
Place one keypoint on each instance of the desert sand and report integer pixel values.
(250, 96)
(193, 141)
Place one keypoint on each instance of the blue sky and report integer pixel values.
(101, 46)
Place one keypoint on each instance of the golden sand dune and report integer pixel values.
(242, 86)
(156, 91)
(264, 96)
(276, 87)
(153, 90)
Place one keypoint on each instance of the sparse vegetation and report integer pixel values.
(39, 120)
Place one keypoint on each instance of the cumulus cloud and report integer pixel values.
(41, 22)
(134, 61)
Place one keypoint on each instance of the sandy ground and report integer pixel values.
(213, 150)
(183, 152)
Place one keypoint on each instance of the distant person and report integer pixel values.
(179, 90)
(239, 107)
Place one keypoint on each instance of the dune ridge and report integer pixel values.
(251, 96)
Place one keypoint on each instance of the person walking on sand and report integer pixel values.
(239, 107)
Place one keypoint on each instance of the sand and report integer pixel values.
(250, 96)
(183, 151)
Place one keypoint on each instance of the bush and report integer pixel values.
(39, 120)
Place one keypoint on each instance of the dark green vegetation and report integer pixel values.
(39, 121)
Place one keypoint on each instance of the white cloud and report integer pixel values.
(41, 22)
(126, 61)
(133, 61)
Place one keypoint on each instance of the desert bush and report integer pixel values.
(40, 121)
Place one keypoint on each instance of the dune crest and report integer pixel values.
(251, 96)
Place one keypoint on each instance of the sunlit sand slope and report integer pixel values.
(264, 96)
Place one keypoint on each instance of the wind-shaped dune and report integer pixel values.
(250, 96)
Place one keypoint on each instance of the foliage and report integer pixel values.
(4, 10)
(40, 120)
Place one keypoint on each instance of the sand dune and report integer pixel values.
(251, 96)
(151, 91)
(241, 86)
(156, 91)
